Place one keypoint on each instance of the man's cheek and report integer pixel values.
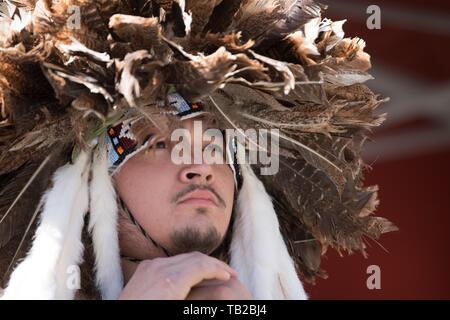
(222, 222)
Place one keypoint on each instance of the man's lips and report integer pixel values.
(199, 197)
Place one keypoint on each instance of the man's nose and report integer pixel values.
(197, 173)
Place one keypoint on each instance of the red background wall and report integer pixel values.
(410, 155)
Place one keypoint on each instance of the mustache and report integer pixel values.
(193, 187)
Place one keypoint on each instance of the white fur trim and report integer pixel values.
(57, 245)
(258, 251)
(103, 227)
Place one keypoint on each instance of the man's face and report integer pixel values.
(183, 207)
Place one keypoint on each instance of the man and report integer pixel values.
(71, 98)
(187, 210)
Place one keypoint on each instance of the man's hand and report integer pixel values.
(231, 289)
(172, 278)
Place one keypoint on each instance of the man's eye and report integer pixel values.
(160, 145)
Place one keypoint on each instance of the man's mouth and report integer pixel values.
(199, 197)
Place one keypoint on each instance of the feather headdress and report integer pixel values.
(70, 69)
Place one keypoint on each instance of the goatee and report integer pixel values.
(192, 239)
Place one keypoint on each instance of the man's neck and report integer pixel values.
(128, 269)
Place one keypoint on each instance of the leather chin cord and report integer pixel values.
(143, 232)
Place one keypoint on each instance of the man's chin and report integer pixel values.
(193, 211)
(204, 239)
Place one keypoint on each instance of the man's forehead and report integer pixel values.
(200, 126)
(201, 122)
